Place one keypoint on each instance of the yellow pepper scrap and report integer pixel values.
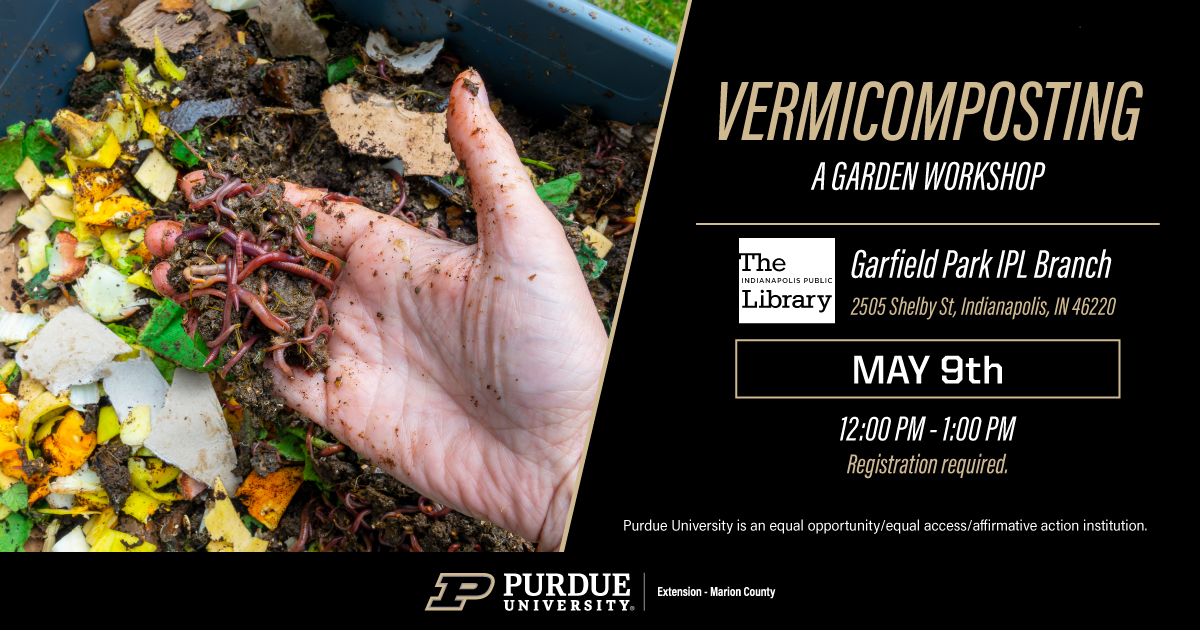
(141, 278)
(224, 525)
(9, 414)
(150, 474)
(92, 185)
(114, 541)
(45, 403)
(109, 426)
(266, 498)
(69, 446)
(141, 506)
(120, 211)
(162, 61)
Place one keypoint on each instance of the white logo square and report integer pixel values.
(786, 280)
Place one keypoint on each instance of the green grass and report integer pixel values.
(661, 17)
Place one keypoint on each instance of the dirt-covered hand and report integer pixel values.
(466, 371)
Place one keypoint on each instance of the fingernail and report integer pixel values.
(483, 92)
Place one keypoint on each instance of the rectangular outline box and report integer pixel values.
(739, 397)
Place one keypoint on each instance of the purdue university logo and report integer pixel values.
(457, 588)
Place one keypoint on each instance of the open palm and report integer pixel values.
(466, 371)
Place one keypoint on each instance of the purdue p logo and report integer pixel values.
(457, 588)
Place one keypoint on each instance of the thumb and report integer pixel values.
(513, 222)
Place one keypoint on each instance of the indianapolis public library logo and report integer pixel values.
(786, 280)
(533, 592)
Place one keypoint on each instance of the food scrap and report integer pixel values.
(158, 270)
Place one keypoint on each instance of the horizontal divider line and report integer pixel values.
(926, 224)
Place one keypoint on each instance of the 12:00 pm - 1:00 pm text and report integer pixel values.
(913, 429)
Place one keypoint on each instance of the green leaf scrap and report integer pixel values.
(310, 474)
(128, 264)
(127, 334)
(289, 446)
(37, 148)
(14, 531)
(179, 150)
(565, 215)
(166, 368)
(165, 335)
(16, 374)
(341, 69)
(11, 156)
(16, 497)
(56, 228)
(588, 259)
(34, 288)
(558, 191)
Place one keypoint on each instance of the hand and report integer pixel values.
(468, 372)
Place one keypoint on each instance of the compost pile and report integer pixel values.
(137, 411)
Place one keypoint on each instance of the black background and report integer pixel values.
(671, 442)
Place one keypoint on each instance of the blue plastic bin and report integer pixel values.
(536, 54)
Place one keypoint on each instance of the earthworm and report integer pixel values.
(331, 450)
(351, 501)
(625, 230)
(384, 74)
(308, 341)
(403, 193)
(260, 444)
(265, 316)
(159, 278)
(281, 363)
(220, 340)
(216, 198)
(403, 509)
(318, 306)
(252, 249)
(453, 548)
(190, 273)
(438, 232)
(192, 321)
(213, 355)
(426, 507)
(237, 356)
(415, 545)
(261, 260)
(183, 297)
(305, 272)
(231, 406)
(340, 197)
(359, 521)
(305, 527)
(336, 540)
(622, 161)
(315, 251)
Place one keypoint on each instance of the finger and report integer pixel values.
(513, 222)
(303, 393)
(338, 223)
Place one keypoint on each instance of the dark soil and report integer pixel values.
(284, 138)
